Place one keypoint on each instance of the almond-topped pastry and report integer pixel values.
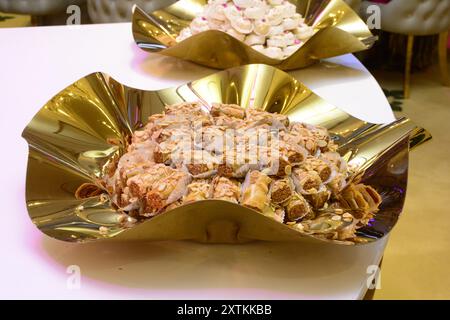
(166, 191)
(288, 171)
(297, 208)
(198, 190)
(281, 191)
(229, 110)
(255, 190)
(226, 189)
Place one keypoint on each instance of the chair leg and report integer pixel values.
(409, 55)
(36, 21)
(443, 64)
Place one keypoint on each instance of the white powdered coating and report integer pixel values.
(271, 27)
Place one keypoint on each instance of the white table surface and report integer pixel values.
(36, 63)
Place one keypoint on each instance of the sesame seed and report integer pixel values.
(131, 220)
(121, 218)
(309, 145)
(347, 215)
(288, 170)
(322, 143)
(299, 226)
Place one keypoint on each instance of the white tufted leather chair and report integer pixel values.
(355, 4)
(106, 11)
(417, 18)
(39, 8)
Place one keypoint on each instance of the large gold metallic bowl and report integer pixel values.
(73, 138)
(338, 30)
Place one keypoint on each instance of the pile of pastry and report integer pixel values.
(272, 27)
(289, 171)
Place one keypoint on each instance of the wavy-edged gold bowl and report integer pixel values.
(338, 30)
(77, 133)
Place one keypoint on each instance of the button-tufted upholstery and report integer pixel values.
(355, 4)
(414, 17)
(104, 11)
(37, 7)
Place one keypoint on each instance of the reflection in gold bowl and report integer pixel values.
(76, 135)
(338, 30)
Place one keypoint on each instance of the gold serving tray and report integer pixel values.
(338, 30)
(73, 138)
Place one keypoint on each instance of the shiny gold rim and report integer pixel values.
(339, 30)
(73, 138)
